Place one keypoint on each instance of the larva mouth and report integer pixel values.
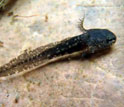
(111, 41)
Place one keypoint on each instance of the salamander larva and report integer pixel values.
(90, 41)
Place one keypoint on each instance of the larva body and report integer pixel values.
(91, 41)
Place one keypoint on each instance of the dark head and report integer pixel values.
(101, 38)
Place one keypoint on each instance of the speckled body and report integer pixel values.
(91, 41)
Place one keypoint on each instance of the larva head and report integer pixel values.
(101, 38)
